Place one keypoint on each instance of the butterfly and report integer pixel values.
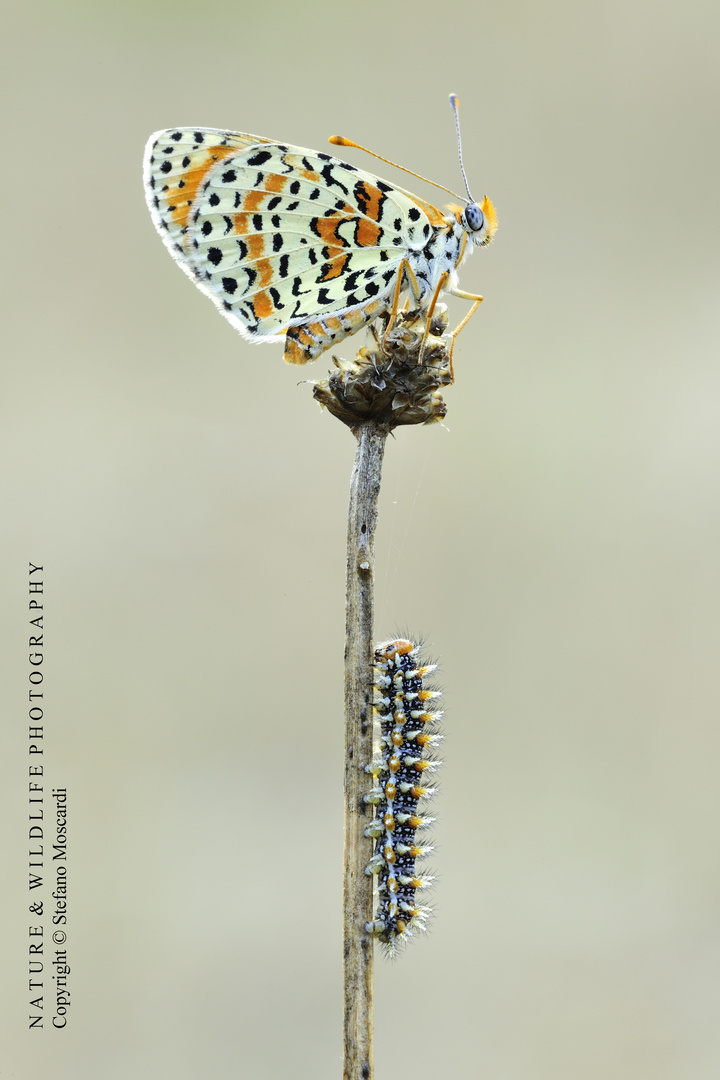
(297, 244)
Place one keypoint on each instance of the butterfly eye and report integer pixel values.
(474, 217)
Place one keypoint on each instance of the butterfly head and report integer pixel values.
(479, 222)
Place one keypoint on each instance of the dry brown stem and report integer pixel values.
(359, 638)
(382, 388)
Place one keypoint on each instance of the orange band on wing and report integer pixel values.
(336, 264)
(264, 269)
(263, 305)
(253, 201)
(367, 233)
(192, 180)
(256, 245)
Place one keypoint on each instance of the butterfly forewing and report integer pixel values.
(278, 235)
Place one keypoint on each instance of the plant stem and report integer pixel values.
(358, 1063)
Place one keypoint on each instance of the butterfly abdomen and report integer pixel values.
(305, 342)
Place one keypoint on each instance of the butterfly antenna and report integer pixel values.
(455, 106)
(340, 140)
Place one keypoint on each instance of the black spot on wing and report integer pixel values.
(329, 176)
(351, 280)
(260, 157)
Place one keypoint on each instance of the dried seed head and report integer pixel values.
(395, 379)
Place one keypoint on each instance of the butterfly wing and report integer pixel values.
(278, 236)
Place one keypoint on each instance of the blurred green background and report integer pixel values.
(556, 543)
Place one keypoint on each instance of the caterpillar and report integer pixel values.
(402, 756)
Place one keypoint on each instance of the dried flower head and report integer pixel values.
(395, 379)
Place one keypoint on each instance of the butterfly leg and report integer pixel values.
(404, 274)
(428, 317)
(477, 301)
